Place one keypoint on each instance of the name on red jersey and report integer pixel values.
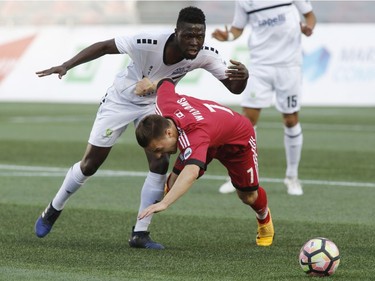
(186, 105)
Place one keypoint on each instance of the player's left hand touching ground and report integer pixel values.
(154, 208)
(237, 71)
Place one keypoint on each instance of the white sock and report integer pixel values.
(152, 190)
(74, 179)
(293, 140)
(255, 131)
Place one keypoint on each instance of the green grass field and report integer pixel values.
(208, 236)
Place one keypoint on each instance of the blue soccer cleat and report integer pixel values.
(142, 239)
(44, 223)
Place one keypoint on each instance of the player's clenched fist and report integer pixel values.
(145, 86)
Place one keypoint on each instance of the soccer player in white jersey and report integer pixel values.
(276, 69)
(132, 97)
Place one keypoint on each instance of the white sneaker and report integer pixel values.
(294, 186)
(227, 188)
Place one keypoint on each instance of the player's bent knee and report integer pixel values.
(248, 197)
(88, 168)
(290, 120)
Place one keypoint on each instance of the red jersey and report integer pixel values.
(204, 126)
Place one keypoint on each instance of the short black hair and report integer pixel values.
(151, 127)
(191, 15)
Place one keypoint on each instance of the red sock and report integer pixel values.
(260, 205)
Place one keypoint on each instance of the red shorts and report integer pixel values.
(240, 161)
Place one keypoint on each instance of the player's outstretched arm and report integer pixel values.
(182, 184)
(90, 53)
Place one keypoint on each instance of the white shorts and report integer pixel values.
(112, 119)
(279, 85)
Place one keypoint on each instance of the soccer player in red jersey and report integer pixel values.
(204, 130)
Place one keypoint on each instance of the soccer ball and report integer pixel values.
(319, 257)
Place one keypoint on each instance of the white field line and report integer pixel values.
(37, 171)
(265, 124)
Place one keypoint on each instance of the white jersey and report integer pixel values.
(146, 51)
(275, 37)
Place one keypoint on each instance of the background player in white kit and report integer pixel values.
(131, 97)
(275, 68)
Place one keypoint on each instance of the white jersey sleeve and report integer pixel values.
(241, 17)
(303, 6)
(124, 44)
(212, 62)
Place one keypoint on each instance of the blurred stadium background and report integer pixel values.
(339, 61)
(163, 12)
